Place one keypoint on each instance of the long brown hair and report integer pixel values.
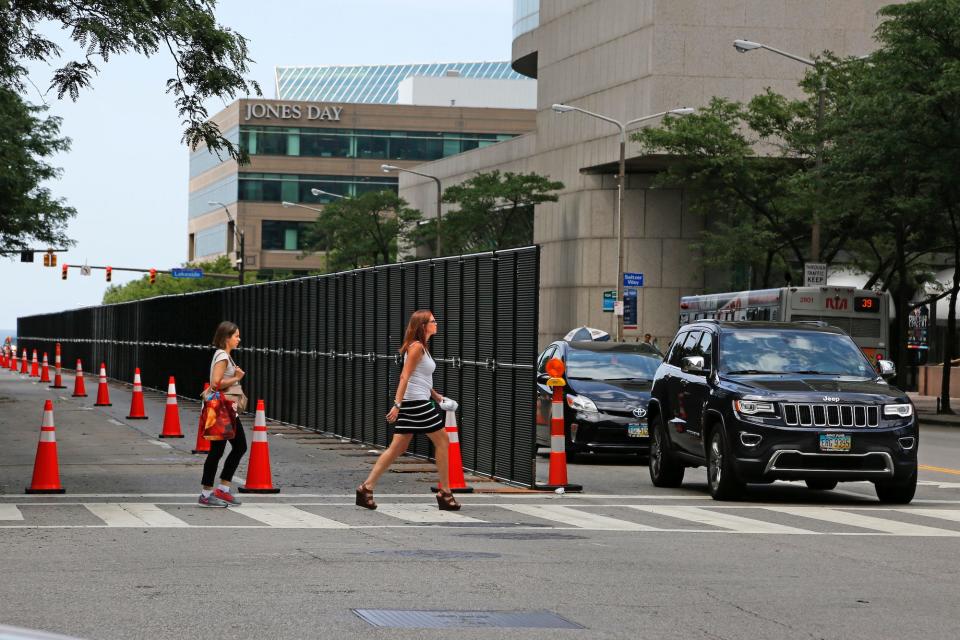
(416, 329)
(224, 330)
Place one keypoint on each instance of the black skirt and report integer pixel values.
(418, 416)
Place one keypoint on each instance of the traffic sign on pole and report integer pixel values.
(814, 274)
(632, 279)
(186, 273)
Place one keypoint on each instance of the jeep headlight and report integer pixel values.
(581, 403)
(898, 410)
(752, 407)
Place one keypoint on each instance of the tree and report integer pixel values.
(209, 60)
(29, 213)
(495, 211)
(362, 231)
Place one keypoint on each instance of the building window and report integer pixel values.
(276, 187)
(282, 235)
(210, 241)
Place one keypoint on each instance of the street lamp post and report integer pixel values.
(238, 236)
(745, 46)
(621, 185)
(387, 168)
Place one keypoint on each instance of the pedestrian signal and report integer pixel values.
(63, 273)
(153, 276)
(109, 271)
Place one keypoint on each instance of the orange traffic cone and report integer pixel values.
(23, 369)
(258, 471)
(136, 402)
(171, 419)
(13, 360)
(103, 391)
(458, 483)
(45, 370)
(203, 445)
(46, 469)
(79, 388)
(35, 366)
(57, 377)
(558, 441)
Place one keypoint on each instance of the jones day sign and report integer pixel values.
(256, 111)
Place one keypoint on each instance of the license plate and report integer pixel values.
(637, 430)
(835, 442)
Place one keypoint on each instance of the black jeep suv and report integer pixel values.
(761, 401)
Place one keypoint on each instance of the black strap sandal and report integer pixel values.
(446, 501)
(365, 497)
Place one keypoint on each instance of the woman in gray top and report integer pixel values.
(416, 409)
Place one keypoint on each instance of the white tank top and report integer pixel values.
(421, 380)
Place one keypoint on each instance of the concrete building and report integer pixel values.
(627, 59)
(330, 129)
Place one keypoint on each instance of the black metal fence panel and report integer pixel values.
(321, 351)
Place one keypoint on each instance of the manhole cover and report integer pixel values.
(407, 619)
(434, 554)
(546, 535)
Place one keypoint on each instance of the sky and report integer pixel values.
(127, 170)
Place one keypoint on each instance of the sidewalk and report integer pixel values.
(100, 451)
(927, 410)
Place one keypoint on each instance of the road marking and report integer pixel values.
(722, 520)
(129, 514)
(10, 512)
(952, 515)
(927, 467)
(423, 513)
(160, 444)
(577, 518)
(939, 485)
(837, 516)
(288, 517)
(116, 422)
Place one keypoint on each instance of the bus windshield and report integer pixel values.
(758, 351)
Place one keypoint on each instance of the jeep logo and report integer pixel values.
(830, 399)
(639, 412)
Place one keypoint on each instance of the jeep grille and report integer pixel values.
(830, 415)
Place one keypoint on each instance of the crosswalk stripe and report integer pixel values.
(952, 515)
(717, 519)
(287, 517)
(864, 522)
(129, 514)
(423, 513)
(10, 512)
(577, 518)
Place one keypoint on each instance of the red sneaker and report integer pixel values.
(226, 497)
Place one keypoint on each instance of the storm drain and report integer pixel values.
(412, 619)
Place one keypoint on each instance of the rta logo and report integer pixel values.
(839, 304)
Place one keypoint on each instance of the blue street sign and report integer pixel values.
(186, 273)
(633, 279)
(629, 308)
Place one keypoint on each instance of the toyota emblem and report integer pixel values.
(640, 412)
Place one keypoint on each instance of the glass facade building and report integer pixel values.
(526, 16)
(374, 84)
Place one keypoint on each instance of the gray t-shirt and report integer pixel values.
(230, 372)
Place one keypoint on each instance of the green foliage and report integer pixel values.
(30, 214)
(495, 211)
(362, 231)
(168, 285)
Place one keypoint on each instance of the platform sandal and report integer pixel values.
(365, 497)
(446, 501)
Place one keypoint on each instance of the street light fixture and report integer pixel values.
(621, 183)
(745, 46)
(238, 237)
(320, 192)
(286, 205)
(387, 168)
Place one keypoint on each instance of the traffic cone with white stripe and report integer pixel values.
(171, 418)
(258, 471)
(24, 370)
(203, 445)
(103, 391)
(13, 360)
(558, 440)
(458, 483)
(35, 366)
(137, 411)
(46, 468)
(57, 377)
(45, 370)
(79, 388)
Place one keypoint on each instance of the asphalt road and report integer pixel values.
(126, 553)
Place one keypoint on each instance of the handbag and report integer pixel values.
(239, 400)
(218, 418)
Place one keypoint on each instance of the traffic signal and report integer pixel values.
(26, 256)
(46, 259)
(63, 273)
(53, 259)
(153, 276)
(109, 271)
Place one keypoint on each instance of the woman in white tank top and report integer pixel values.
(416, 409)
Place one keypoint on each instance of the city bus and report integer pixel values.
(863, 314)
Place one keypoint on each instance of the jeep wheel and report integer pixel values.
(665, 470)
(821, 484)
(724, 484)
(897, 491)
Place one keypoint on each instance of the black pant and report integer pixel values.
(238, 447)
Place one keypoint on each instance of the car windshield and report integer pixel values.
(611, 365)
(754, 351)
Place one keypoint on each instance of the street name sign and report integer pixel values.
(633, 279)
(187, 273)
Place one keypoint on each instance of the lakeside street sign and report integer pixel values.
(186, 273)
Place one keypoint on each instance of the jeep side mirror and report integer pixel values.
(543, 377)
(694, 365)
(887, 368)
